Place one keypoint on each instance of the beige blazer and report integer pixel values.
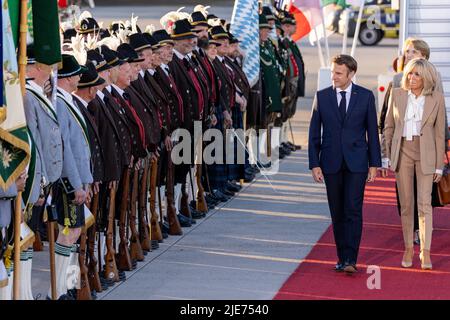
(432, 134)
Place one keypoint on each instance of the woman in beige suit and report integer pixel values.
(414, 133)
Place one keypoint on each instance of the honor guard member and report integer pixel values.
(163, 54)
(47, 151)
(70, 192)
(244, 90)
(288, 24)
(271, 79)
(86, 92)
(191, 90)
(227, 99)
(153, 108)
(111, 139)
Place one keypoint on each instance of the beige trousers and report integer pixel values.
(409, 162)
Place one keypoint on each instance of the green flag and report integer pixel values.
(14, 143)
(47, 42)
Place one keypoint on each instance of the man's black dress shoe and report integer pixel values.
(184, 221)
(339, 267)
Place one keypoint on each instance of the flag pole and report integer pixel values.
(23, 27)
(344, 40)
(327, 47)
(358, 26)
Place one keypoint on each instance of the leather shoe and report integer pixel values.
(227, 192)
(184, 221)
(339, 267)
(236, 184)
(249, 178)
(222, 197)
(195, 214)
(155, 244)
(232, 187)
(350, 268)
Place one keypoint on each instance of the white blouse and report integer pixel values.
(413, 116)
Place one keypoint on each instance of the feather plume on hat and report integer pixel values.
(111, 42)
(91, 41)
(79, 49)
(203, 9)
(133, 24)
(168, 20)
(122, 35)
(150, 29)
(214, 22)
(84, 15)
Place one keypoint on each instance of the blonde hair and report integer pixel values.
(426, 70)
(419, 45)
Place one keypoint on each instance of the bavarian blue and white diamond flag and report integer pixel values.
(245, 27)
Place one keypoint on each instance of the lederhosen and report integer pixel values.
(69, 214)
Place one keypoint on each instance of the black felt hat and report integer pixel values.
(218, 32)
(182, 30)
(127, 53)
(70, 67)
(263, 24)
(88, 25)
(198, 19)
(90, 77)
(111, 57)
(153, 42)
(139, 42)
(97, 60)
(68, 34)
(162, 37)
(268, 13)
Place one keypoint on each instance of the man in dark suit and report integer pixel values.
(344, 151)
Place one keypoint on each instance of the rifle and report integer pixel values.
(201, 201)
(123, 256)
(136, 252)
(111, 272)
(156, 233)
(174, 224)
(84, 292)
(144, 236)
(94, 279)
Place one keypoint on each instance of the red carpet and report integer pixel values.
(381, 245)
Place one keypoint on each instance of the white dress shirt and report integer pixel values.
(348, 94)
(101, 95)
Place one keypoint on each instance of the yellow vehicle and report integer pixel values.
(379, 21)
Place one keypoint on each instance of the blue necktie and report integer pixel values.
(343, 104)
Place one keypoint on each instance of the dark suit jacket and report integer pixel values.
(187, 91)
(353, 139)
(97, 158)
(161, 106)
(227, 92)
(240, 78)
(121, 122)
(108, 138)
(173, 96)
(148, 116)
(138, 149)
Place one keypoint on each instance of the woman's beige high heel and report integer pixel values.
(425, 260)
(408, 258)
